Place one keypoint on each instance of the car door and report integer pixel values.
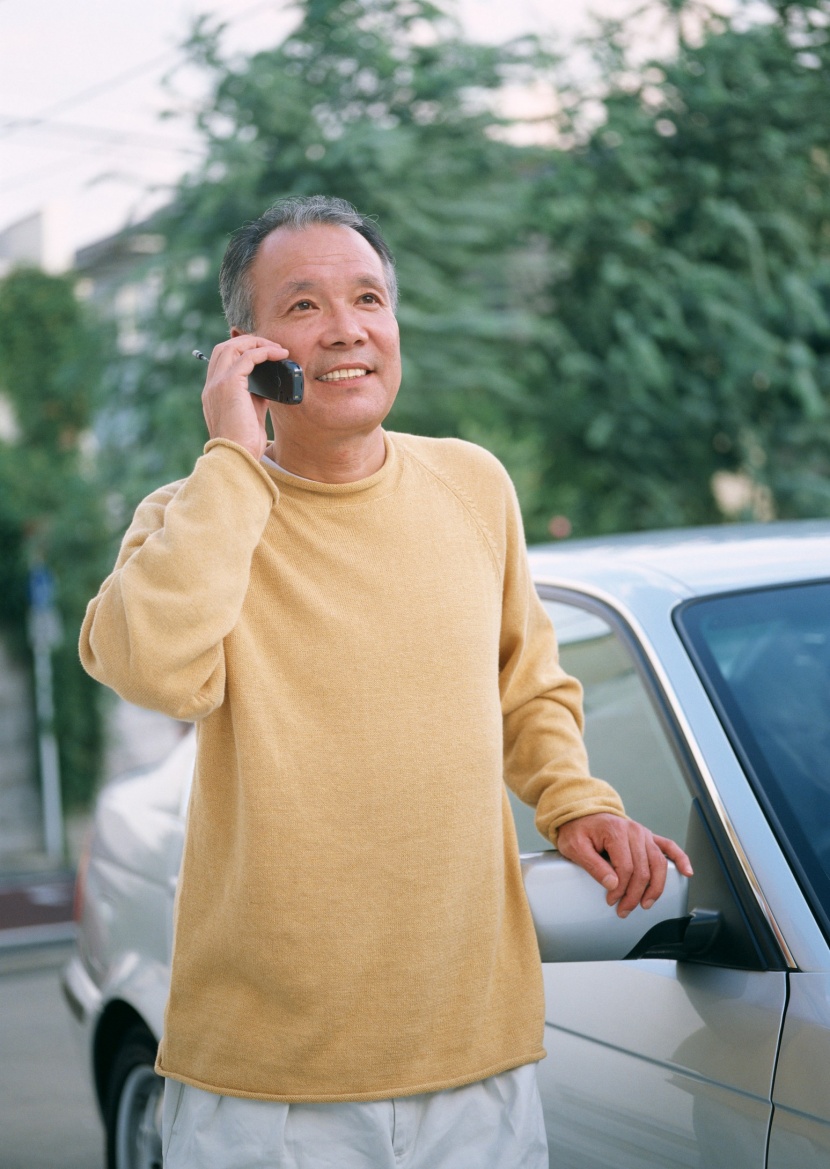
(656, 1061)
(800, 1136)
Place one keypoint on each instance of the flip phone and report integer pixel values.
(279, 381)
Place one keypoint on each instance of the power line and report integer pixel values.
(102, 87)
(86, 94)
(42, 172)
(106, 136)
(40, 120)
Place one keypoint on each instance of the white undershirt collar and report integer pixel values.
(271, 463)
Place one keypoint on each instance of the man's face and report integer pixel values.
(321, 292)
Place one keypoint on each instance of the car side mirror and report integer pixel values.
(575, 924)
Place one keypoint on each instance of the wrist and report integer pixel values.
(222, 445)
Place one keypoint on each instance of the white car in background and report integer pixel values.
(694, 1035)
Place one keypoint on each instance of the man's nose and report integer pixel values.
(344, 327)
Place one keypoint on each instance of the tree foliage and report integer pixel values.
(50, 507)
(618, 314)
(688, 244)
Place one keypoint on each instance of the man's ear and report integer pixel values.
(236, 332)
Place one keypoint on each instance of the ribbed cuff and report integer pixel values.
(214, 443)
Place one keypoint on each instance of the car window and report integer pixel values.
(627, 744)
(765, 658)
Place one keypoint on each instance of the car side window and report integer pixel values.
(627, 744)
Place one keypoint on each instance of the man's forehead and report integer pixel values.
(299, 257)
(358, 279)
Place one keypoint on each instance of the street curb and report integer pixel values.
(38, 935)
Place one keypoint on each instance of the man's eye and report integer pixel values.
(302, 304)
(369, 298)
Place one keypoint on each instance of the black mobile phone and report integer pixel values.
(280, 381)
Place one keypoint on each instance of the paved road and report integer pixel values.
(48, 1117)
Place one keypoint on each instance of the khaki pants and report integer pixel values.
(496, 1123)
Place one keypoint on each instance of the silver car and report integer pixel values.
(696, 1034)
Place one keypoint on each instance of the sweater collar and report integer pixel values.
(311, 491)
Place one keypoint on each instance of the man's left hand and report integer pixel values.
(626, 858)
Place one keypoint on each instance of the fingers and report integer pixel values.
(632, 861)
(658, 871)
(230, 411)
(239, 355)
(232, 361)
(636, 867)
(675, 854)
(626, 873)
(660, 851)
(577, 845)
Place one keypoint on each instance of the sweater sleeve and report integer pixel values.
(546, 764)
(155, 631)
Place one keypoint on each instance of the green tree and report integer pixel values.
(688, 274)
(50, 506)
(619, 315)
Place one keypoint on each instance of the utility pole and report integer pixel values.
(44, 635)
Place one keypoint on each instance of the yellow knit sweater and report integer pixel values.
(366, 663)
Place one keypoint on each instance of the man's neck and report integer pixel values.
(343, 460)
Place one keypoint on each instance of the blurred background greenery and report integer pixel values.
(623, 292)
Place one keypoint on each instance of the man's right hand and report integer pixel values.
(230, 410)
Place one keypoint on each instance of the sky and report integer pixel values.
(81, 96)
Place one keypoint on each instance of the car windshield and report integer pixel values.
(765, 659)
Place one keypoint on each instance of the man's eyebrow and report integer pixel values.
(368, 278)
(363, 279)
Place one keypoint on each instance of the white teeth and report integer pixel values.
(339, 375)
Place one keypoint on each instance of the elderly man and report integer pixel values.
(347, 615)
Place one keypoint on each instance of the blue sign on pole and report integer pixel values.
(41, 588)
(44, 635)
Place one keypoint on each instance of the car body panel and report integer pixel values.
(798, 1142)
(801, 1128)
(694, 561)
(607, 1109)
(84, 998)
(142, 984)
(700, 1032)
(140, 816)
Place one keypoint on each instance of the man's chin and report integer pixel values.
(355, 410)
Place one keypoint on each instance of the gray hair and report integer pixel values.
(295, 212)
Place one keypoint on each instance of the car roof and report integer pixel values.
(691, 561)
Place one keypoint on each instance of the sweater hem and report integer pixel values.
(358, 1097)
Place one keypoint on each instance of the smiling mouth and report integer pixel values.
(343, 375)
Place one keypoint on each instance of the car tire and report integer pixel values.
(134, 1098)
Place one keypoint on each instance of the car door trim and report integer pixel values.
(608, 606)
